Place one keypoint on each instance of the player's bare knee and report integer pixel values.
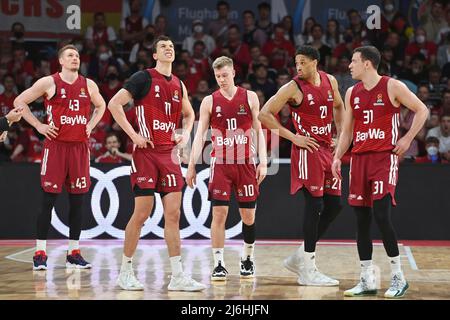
(248, 216)
(172, 216)
(220, 215)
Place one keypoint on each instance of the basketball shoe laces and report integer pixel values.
(396, 282)
(248, 264)
(220, 269)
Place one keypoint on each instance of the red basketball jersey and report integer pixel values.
(313, 117)
(231, 124)
(69, 109)
(159, 112)
(376, 124)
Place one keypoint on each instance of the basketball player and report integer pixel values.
(161, 99)
(371, 120)
(313, 97)
(232, 112)
(65, 157)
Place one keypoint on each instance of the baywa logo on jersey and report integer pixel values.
(63, 93)
(356, 102)
(379, 100)
(330, 96)
(310, 99)
(82, 93)
(242, 110)
(175, 96)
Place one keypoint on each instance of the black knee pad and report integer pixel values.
(138, 192)
(220, 203)
(247, 205)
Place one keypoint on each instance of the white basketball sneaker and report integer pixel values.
(184, 282)
(398, 286)
(295, 262)
(367, 285)
(127, 281)
(313, 277)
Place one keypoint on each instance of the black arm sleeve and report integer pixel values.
(3, 124)
(139, 84)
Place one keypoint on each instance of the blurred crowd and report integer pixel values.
(263, 53)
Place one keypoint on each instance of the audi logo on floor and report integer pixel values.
(105, 220)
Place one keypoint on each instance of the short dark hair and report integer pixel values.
(223, 3)
(263, 5)
(369, 53)
(160, 38)
(66, 47)
(309, 52)
(432, 139)
(99, 14)
(250, 12)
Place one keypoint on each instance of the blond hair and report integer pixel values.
(66, 47)
(221, 62)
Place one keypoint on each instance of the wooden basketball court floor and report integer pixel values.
(426, 265)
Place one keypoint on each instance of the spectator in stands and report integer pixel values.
(434, 20)
(343, 77)
(388, 15)
(279, 50)
(28, 146)
(198, 34)
(443, 53)
(333, 34)
(388, 62)
(146, 44)
(421, 45)
(264, 22)
(432, 156)
(271, 72)
(189, 79)
(113, 153)
(252, 35)
(200, 62)
(112, 84)
(218, 28)
(356, 25)
(445, 107)
(435, 86)
(319, 44)
(100, 33)
(398, 45)
(21, 67)
(415, 72)
(99, 65)
(18, 34)
(132, 27)
(160, 26)
(288, 26)
(406, 120)
(443, 32)
(346, 48)
(262, 82)
(305, 36)
(199, 94)
(442, 132)
(283, 77)
(8, 96)
(423, 93)
(240, 52)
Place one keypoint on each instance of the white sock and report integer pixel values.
(218, 256)
(396, 266)
(301, 250)
(366, 265)
(73, 245)
(41, 245)
(127, 263)
(310, 260)
(248, 250)
(176, 266)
